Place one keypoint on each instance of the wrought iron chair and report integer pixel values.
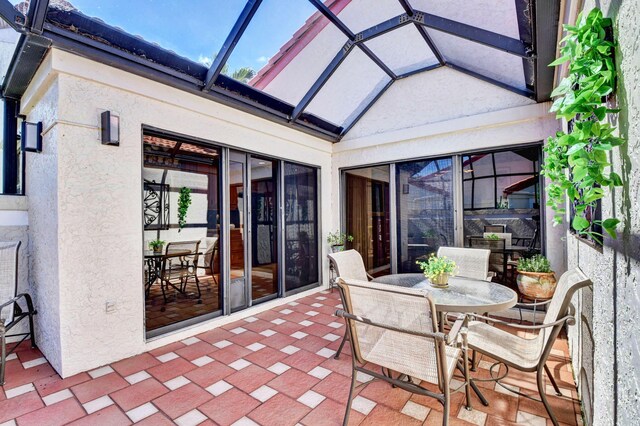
(471, 263)
(179, 265)
(348, 265)
(11, 312)
(396, 329)
(529, 355)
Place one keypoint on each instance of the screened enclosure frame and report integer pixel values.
(42, 27)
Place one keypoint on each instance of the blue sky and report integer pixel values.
(197, 28)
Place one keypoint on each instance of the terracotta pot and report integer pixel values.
(441, 280)
(537, 285)
(158, 249)
(337, 248)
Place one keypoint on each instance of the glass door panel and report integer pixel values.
(300, 226)
(264, 229)
(425, 210)
(367, 216)
(237, 231)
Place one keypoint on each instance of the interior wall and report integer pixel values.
(604, 343)
(87, 205)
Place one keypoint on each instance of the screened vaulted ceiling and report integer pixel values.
(317, 66)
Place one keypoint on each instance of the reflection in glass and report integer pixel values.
(367, 216)
(425, 210)
(300, 226)
(237, 230)
(182, 279)
(264, 230)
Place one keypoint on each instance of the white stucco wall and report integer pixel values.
(87, 206)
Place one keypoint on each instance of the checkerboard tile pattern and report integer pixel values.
(275, 368)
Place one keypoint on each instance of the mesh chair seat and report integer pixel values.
(405, 353)
(504, 346)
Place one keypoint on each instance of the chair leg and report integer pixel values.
(446, 406)
(474, 355)
(543, 397)
(552, 380)
(339, 351)
(3, 355)
(32, 334)
(467, 378)
(345, 422)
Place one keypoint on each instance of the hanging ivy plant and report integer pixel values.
(184, 201)
(577, 162)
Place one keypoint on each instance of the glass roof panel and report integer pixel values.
(499, 16)
(403, 50)
(285, 48)
(195, 30)
(359, 15)
(493, 63)
(349, 90)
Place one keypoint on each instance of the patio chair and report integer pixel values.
(529, 354)
(498, 257)
(210, 259)
(348, 265)
(179, 265)
(395, 328)
(472, 263)
(11, 312)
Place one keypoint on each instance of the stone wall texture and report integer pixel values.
(604, 344)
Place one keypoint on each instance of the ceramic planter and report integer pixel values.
(337, 248)
(537, 285)
(441, 280)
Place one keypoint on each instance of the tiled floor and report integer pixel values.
(276, 368)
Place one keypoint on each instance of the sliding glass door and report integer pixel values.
(425, 210)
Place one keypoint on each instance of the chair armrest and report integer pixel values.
(24, 296)
(370, 276)
(434, 335)
(459, 327)
(569, 319)
(490, 276)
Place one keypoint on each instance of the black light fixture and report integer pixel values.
(31, 136)
(110, 128)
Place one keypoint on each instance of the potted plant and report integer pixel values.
(492, 237)
(337, 240)
(438, 270)
(156, 246)
(535, 277)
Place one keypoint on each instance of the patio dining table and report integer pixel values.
(464, 295)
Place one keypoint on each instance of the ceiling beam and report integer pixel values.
(474, 34)
(230, 43)
(321, 80)
(522, 92)
(423, 32)
(547, 17)
(12, 16)
(37, 15)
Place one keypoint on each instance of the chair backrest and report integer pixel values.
(497, 259)
(570, 282)
(349, 265)
(495, 228)
(506, 236)
(472, 263)
(180, 250)
(8, 275)
(399, 307)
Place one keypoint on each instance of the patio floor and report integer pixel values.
(276, 368)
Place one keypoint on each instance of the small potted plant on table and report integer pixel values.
(438, 270)
(337, 240)
(156, 246)
(535, 277)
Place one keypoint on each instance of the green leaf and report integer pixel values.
(580, 223)
(575, 148)
(615, 179)
(560, 60)
(610, 225)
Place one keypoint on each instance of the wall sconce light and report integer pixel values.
(110, 128)
(31, 136)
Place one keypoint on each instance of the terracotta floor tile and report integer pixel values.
(279, 411)
(171, 347)
(135, 364)
(52, 384)
(22, 404)
(312, 343)
(209, 374)
(335, 386)
(303, 360)
(382, 415)
(196, 350)
(341, 365)
(250, 378)
(135, 395)
(266, 357)
(330, 413)
(246, 338)
(182, 400)
(500, 404)
(231, 353)
(214, 335)
(229, 407)
(90, 390)
(258, 325)
(269, 315)
(18, 376)
(435, 419)
(288, 327)
(26, 353)
(170, 369)
(60, 413)
(293, 383)
(319, 330)
(158, 419)
(562, 407)
(326, 319)
(383, 393)
(278, 341)
(110, 416)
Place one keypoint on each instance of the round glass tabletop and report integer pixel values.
(462, 295)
